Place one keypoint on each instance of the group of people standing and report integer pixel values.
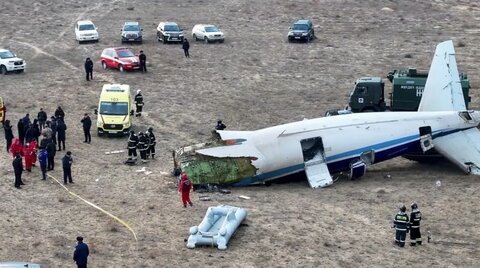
(403, 224)
(144, 142)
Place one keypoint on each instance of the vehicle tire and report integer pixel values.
(120, 68)
(3, 69)
(195, 37)
(20, 71)
(206, 40)
(104, 65)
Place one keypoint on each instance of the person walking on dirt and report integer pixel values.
(61, 135)
(87, 124)
(186, 47)
(400, 223)
(51, 151)
(184, 187)
(59, 113)
(21, 131)
(152, 141)
(16, 147)
(80, 255)
(43, 159)
(138, 103)
(42, 118)
(143, 61)
(67, 162)
(415, 218)
(29, 154)
(143, 146)
(8, 134)
(89, 69)
(18, 169)
(132, 146)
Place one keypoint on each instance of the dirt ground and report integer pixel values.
(254, 80)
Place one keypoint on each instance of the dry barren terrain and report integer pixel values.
(254, 80)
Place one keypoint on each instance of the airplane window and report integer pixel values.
(465, 115)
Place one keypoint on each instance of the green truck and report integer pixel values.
(368, 95)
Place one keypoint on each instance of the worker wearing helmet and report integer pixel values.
(138, 103)
(415, 218)
(143, 146)
(132, 146)
(400, 222)
(152, 141)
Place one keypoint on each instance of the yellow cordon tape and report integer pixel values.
(97, 207)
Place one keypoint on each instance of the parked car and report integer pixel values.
(301, 30)
(120, 58)
(169, 32)
(208, 33)
(132, 32)
(10, 63)
(85, 30)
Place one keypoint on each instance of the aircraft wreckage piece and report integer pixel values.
(348, 142)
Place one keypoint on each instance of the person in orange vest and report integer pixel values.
(184, 187)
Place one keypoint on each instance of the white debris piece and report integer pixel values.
(244, 197)
(143, 169)
(115, 152)
(438, 183)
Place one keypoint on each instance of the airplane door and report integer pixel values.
(426, 141)
(315, 165)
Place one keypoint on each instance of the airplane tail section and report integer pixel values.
(443, 90)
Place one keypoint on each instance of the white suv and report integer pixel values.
(9, 62)
(169, 32)
(208, 33)
(85, 30)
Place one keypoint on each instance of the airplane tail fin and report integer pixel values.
(443, 90)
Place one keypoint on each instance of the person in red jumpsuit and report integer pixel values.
(33, 147)
(29, 155)
(16, 147)
(184, 187)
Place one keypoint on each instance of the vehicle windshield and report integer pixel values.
(211, 29)
(6, 55)
(86, 27)
(113, 108)
(300, 27)
(131, 28)
(172, 28)
(125, 53)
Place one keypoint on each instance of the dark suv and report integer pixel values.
(301, 30)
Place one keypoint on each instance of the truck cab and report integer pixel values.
(368, 95)
(114, 113)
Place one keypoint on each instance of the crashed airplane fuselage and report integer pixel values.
(349, 142)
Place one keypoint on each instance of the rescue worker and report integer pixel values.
(51, 151)
(28, 155)
(400, 223)
(139, 103)
(18, 169)
(67, 162)
(89, 69)
(80, 255)
(21, 131)
(143, 61)
(61, 128)
(186, 47)
(42, 118)
(59, 113)
(184, 187)
(43, 159)
(33, 148)
(132, 145)
(415, 218)
(220, 125)
(16, 147)
(143, 146)
(87, 124)
(152, 141)
(8, 134)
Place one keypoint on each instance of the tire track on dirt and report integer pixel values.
(63, 61)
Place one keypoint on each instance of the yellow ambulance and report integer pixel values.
(115, 110)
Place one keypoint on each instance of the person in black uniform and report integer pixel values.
(143, 146)
(139, 103)
(186, 47)
(400, 222)
(51, 151)
(18, 169)
(87, 124)
(89, 69)
(67, 162)
(132, 145)
(61, 128)
(21, 131)
(42, 118)
(53, 126)
(59, 113)
(152, 141)
(415, 218)
(8, 134)
(80, 255)
(143, 61)
(220, 125)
